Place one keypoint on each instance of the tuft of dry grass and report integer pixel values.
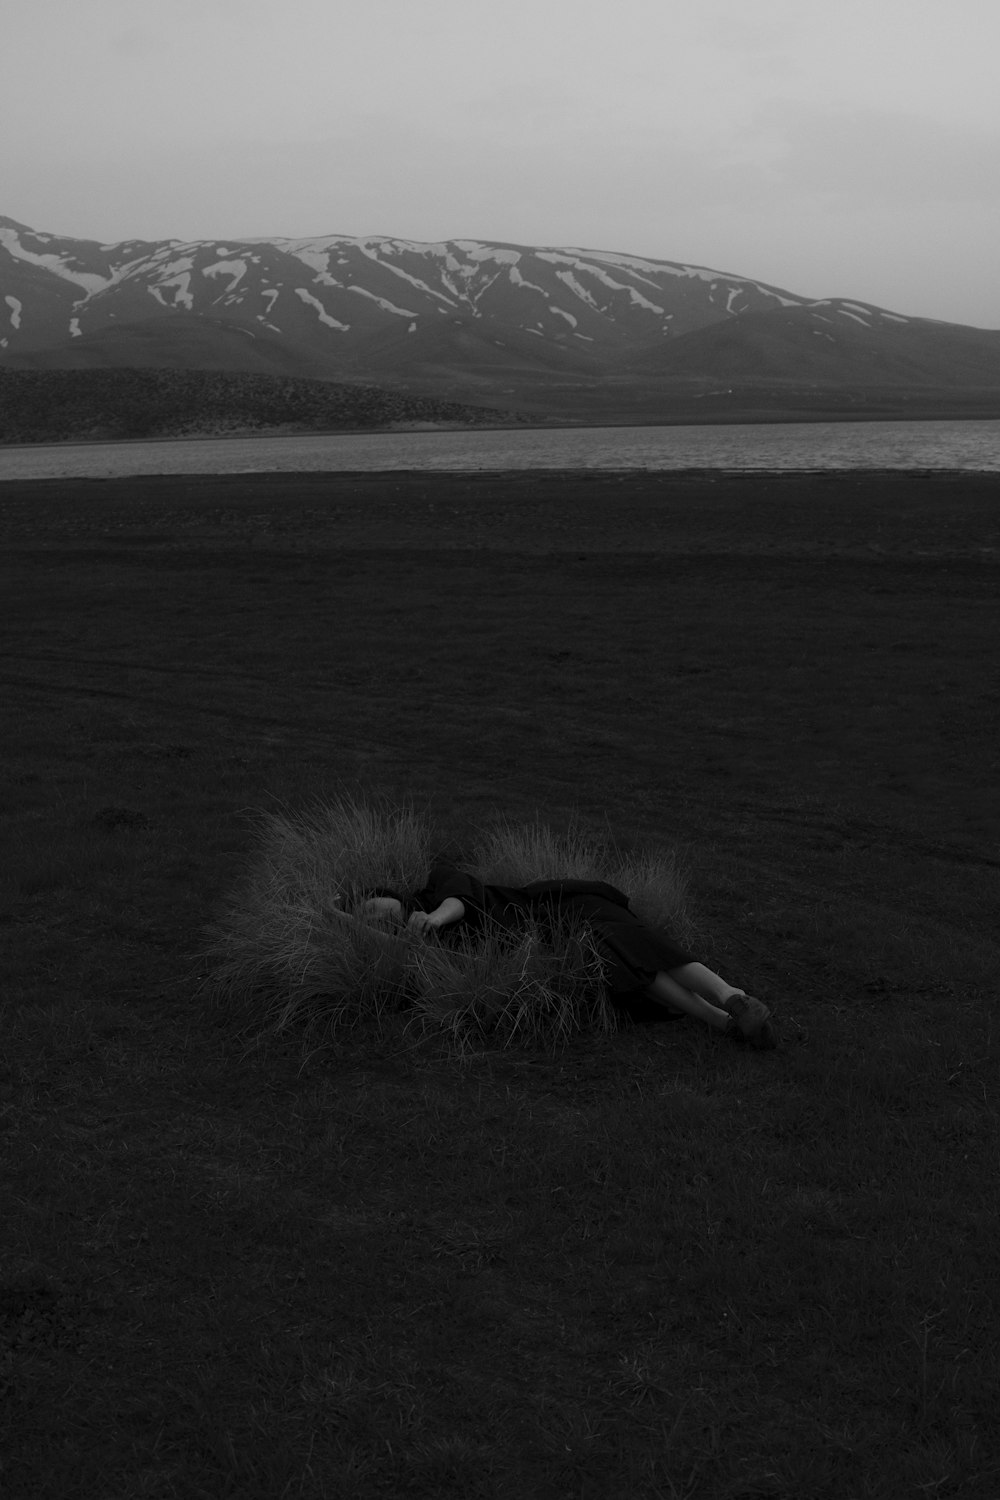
(533, 987)
(282, 947)
(510, 853)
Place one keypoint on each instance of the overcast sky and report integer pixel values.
(832, 147)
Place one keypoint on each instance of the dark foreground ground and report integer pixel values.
(655, 1266)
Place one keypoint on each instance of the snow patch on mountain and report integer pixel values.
(479, 252)
(568, 316)
(171, 269)
(629, 263)
(74, 328)
(555, 258)
(234, 269)
(637, 298)
(465, 269)
(859, 312)
(696, 273)
(405, 275)
(568, 279)
(767, 291)
(178, 267)
(701, 273)
(88, 280)
(15, 311)
(311, 254)
(175, 276)
(178, 278)
(518, 280)
(321, 311)
(124, 271)
(386, 306)
(468, 274)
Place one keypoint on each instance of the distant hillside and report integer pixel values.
(171, 344)
(562, 333)
(49, 406)
(831, 343)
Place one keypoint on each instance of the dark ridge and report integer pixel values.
(51, 406)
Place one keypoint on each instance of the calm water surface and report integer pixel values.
(778, 446)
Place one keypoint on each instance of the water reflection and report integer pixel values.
(765, 446)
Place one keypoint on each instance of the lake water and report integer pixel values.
(971, 446)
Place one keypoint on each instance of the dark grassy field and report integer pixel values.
(659, 1265)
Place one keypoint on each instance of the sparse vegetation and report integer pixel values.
(53, 406)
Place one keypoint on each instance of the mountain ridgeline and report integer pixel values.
(475, 329)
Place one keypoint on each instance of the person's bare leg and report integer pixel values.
(666, 990)
(704, 982)
(750, 1016)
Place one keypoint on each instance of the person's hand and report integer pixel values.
(422, 924)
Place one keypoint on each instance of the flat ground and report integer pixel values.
(657, 1265)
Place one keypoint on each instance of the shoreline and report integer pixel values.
(539, 475)
(758, 417)
(660, 449)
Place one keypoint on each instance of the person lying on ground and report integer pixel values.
(648, 975)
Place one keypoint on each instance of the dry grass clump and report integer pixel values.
(283, 937)
(531, 987)
(517, 853)
(287, 950)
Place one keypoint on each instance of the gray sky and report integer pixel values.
(833, 147)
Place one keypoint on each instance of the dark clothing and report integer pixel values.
(633, 954)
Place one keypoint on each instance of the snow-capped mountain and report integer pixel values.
(340, 293)
(464, 315)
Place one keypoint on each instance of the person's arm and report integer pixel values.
(376, 905)
(451, 910)
(373, 908)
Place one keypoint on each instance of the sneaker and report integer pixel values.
(750, 1021)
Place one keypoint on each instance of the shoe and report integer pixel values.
(749, 1020)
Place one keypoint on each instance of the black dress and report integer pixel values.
(633, 954)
